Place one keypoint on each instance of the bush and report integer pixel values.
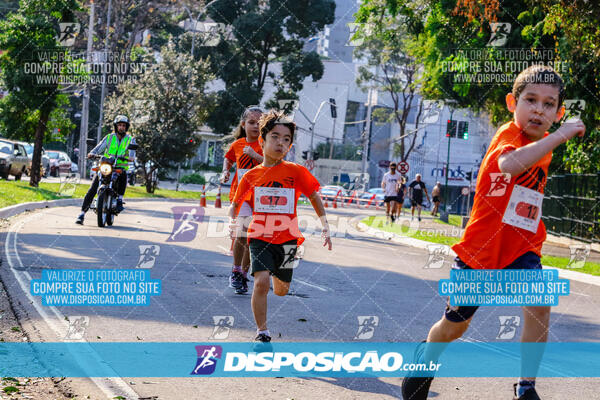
(193, 178)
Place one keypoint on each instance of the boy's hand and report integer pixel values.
(249, 151)
(232, 228)
(224, 176)
(326, 238)
(569, 129)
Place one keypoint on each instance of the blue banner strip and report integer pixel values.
(298, 359)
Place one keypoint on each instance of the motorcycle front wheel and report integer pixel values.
(103, 208)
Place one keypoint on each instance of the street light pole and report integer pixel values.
(312, 123)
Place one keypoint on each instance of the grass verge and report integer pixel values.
(12, 193)
(439, 238)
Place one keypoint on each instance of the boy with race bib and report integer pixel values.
(505, 230)
(273, 189)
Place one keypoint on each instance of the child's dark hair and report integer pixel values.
(268, 121)
(240, 132)
(539, 74)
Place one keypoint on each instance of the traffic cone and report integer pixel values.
(203, 197)
(326, 204)
(334, 203)
(218, 199)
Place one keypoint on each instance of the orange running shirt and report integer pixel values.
(243, 162)
(505, 221)
(273, 193)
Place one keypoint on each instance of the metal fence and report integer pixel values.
(571, 207)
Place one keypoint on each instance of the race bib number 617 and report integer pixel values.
(274, 200)
(524, 208)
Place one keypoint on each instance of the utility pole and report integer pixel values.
(367, 136)
(85, 108)
(334, 116)
(103, 93)
(446, 191)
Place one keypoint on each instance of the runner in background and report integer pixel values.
(246, 153)
(402, 189)
(417, 187)
(389, 184)
(435, 197)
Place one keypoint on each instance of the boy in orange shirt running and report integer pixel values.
(245, 153)
(505, 230)
(273, 189)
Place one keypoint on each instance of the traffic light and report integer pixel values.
(333, 108)
(315, 156)
(463, 129)
(305, 155)
(451, 128)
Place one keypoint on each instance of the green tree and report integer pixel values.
(24, 36)
(566, 29)
(385, 42)
(19, 123)
(166, 106)
(259, 34)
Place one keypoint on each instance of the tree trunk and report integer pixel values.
(36, 161)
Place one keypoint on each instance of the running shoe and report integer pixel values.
(262, 344)
(235, 280)
(79, 220)
(244, 288)
(530, 394)
(120, 207)
(245, 284)
(416, 387)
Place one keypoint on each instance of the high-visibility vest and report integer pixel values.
(114, 148)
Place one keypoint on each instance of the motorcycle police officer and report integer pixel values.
(114, 144)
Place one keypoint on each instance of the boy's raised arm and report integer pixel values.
(317, 204)
(519, 160)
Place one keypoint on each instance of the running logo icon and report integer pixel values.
(207, 359)
(436, 255)
(574, 109)
(498, 184)
(68, 33)
(500, 31)
(366, 326)
(68, 184)
(148, 254)
(579, 254)
(508, 326)
(185, 225)
(432, 110)
(77, 327)
(223, 325)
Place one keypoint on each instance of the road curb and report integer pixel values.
(408, 241)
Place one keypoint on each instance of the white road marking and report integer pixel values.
(311, 285)
(59, 324)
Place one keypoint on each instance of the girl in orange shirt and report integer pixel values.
(245, 152)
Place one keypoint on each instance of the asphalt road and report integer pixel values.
(362, 276)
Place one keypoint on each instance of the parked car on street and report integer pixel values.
(59, 163)
(377, 191)
(13, 159)
(45, 159)
(330, 191)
